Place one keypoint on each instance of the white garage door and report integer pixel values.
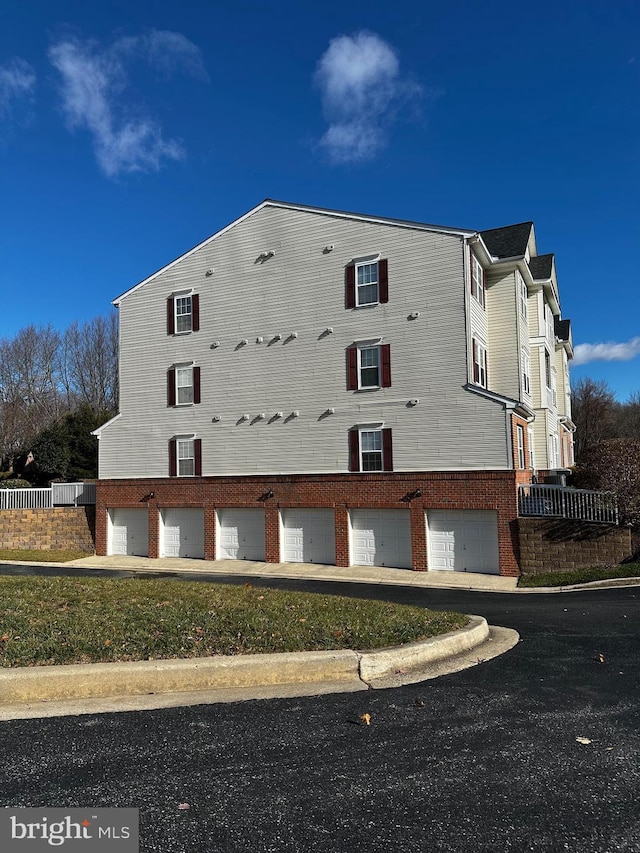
(308, 536)
(241, 534)
(463, 541)
(182, 533)
(129, 532)
(381, 537)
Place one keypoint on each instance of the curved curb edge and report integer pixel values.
(137, 685)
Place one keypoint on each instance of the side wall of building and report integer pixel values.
(272, 346)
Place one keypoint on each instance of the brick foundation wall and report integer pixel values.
(59, 528)
(476, 490)
(563, 544)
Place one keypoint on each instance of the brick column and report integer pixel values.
(419, 560)
(342, 536)
(154, 530)
(209, 533)
(272, 532)
(101, 529)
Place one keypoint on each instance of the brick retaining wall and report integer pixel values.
(60, 528)
(563, 544)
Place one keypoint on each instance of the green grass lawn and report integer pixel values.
(35, 556)
(46, 621)
(628, 570)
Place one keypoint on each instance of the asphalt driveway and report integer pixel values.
(487, 759)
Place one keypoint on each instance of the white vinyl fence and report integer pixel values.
(60, 494)
(25, 499)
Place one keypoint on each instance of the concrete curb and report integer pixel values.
(381, 663)
(346, 669)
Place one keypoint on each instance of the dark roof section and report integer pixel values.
(508, 242)
(562, 329)
(541, 266)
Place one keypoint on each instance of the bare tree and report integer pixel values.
(91, 364)
(629, 418)
(30, 387)
(594, 412)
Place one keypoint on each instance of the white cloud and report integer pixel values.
(94, 83)
(17, 81)
(359, 79)
(584, 353)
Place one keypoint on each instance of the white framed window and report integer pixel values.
(185, 456)
(531, 458)
(523, 297)
(369, 367)
(548, 317)
(526, 373)
(184, 384)
(520, 446)
(371, 450)
(477, 280)
(183, 313)
(367, 284)
(479, 363)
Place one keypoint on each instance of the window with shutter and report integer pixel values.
(183, 385)
(185, 456)
(368, 367)
(183, 313)
(370, 449)
(367, 282)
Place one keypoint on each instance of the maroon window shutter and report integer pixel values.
(354, 450)
(383, 281)
(196, 384)
(171, 387)
(387, 451)
(385, 355)
(171, 318)
(195, 312)
(352, 368)
(350, 286)
(197, 453)
(173, 462)
(476, 369)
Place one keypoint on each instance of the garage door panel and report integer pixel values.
(241, 534)
(463, 541)
(381, 537)
(308, 536)
(183, 533)
(129, 535)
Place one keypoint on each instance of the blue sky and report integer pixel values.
(130, 131)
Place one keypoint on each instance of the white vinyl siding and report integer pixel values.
(305, 373)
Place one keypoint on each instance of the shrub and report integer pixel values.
(15, 484)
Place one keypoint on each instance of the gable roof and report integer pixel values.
(508, 242)
(268, 202)
(541, 266)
